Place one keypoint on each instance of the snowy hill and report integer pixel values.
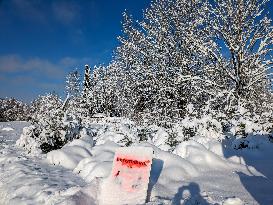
(198, 171)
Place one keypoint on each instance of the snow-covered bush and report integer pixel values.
(123, 132)
(246, 126)
(28, 140)
(214, 125)
(245, 122)
(48, 118)
(197, 123)
(52, 126)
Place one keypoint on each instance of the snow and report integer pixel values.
(100, 164)
(199, 171)
(7, 129)
(233, 201)
(118, 132)
(68, 157)
(26, 179)
(160, 138)
(99, 115)
(72, 153)
(199, 155)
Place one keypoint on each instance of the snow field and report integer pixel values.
(29, 180)
(199, 171)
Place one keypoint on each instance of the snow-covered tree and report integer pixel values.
(73, 99)
(163, 59)
(86, 106)
(245, 33)
(53, 123)
(116, 101)
(87, 81)
(102, 92)
(73, 84)
(47, 119)
(12, 109)
(98, 89)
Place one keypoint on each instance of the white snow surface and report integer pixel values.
(200, 171)
(7, 129)
(72, 153)
(233, 201)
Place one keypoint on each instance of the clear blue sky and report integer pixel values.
(42, 40)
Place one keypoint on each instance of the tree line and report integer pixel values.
(212, 55)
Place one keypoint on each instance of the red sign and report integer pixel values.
(130, 176)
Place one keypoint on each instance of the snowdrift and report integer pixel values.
(72, 153)
(199, 155)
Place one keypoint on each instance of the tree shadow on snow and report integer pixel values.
(259, 187)
(157, 166)
(189, 195)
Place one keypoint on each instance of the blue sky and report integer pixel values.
(42, 40)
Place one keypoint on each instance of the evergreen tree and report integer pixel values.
(86, 105)
(73, 85)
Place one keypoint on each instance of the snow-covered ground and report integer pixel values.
(197, 172)
(31, 180)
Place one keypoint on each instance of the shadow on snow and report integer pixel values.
(259, 187)
(189, 195)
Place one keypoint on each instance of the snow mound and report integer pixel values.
(170, 167)
(68, 157)
(166, 168)
(212, 145)
(85, 141)
(181, 167)
(199, 155)
(100, 164)
(7, 129)
(233, 201)
(72, 153)
(160, 139)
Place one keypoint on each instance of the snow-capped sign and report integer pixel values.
(129, 179)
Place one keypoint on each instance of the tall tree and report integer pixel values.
(87, 81)
(86, 106)
(163, 58)
(73, 84)
(245, 32)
